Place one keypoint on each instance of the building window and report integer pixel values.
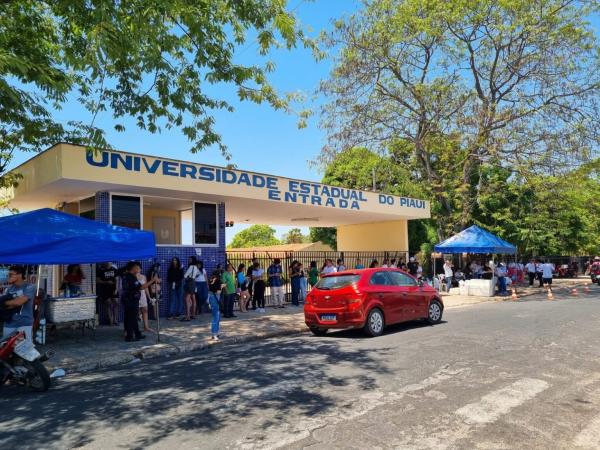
(205, 223)
(126, 211)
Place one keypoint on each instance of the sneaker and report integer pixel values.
(262, 310)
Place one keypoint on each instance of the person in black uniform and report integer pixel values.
(130, 296)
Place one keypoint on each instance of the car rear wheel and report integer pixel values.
(318, 331)
(375, 323)
(434, 313)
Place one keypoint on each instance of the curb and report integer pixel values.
(161, 350)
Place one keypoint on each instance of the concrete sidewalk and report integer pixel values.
(75, 352)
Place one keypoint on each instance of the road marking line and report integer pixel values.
(589, 437)
(500, 402)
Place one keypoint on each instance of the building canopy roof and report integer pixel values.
(475, 240)
(46, 236)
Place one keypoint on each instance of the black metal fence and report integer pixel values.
(350, 259)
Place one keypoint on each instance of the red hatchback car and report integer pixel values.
(370, 299)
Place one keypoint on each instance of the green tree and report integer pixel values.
(255, 236)
(294, 236)
(449, 88)
(153, 61)
(326, 235)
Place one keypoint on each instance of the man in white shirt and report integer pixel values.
(547, 271)
(329, 267)
(531, 271)
(448, 273)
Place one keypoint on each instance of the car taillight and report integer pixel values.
(308, 300)
(353, 303)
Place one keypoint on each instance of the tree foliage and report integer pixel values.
(294, 236)
(255, 236)
(326, 235)
(448, 89)
(158, 62)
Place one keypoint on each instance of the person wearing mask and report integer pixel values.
(303, 283)
(313, 274)
(214, 293)
(131, 290)
(175, 282)
(359, 265)
(242, 289)
(340, 265)
(412, 266)
(531, 271)
(258, 279)
(547, 272)
(106, 289)
(295, 280)
(20, 306)
(189, 288)
(73, 279)
(448, 273)
(328, 267)
(228, 279)
(201, 287)
(274, 274)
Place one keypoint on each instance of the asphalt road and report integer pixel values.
(492, 376)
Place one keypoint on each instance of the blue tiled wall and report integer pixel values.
(211, 256)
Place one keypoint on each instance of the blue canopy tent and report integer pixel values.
(475, 240)
(46, 236)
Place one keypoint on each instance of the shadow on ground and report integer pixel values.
(203, 392)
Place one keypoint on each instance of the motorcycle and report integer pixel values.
(21, 363)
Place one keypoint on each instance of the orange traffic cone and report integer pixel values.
(574, 292)
(550, 294)
(514, 295)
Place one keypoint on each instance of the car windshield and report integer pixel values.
(337, 281)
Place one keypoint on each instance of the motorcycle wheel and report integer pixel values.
(38, 377)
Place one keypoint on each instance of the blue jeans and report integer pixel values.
(176, 301)
(502, 285)
(201, 294)
(295, 290)
(448, 283)
(216, 314)
(303, 288)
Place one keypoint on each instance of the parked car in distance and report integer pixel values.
(370, 299)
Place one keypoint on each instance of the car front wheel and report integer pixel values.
(375, 323)
(434, 314)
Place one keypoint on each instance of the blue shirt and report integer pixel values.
(23, 317)
(275, 270)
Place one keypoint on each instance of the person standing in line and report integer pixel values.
(131, 290)
(189, 289)
(275, 273)
(547, 273)
(539, 272)
(106, 289)
(359, 265)
(175, 282)
(448, 273)
(303, 283)
(374, 264)
(295, 280)
(201, 287)
(385, 264)
(412, 266)
(242, 289)
(21, 304)
(402, 264)
(258, 279)
(214, 292)
(531, 271)
(501, 274)
(393, 264)
(143, 301)
(228, 279)
(340, 265)
(328, 267)
(155, 289)
(313, 273)
(249, 276)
